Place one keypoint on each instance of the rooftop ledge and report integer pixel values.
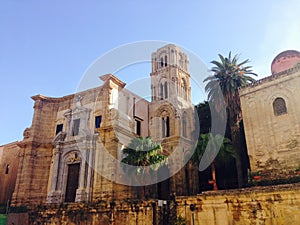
(292, 70)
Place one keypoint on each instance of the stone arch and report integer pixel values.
(288, 97)
(164, 88)
(166, 107)
(166, 115)
(163, 56)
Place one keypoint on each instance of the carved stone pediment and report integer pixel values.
(59, 138)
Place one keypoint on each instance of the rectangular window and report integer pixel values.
(59, 128)
(168, 127)
(76, 124)
(138, 126)
(165, 127)
(98, 120)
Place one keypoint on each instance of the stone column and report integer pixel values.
(82, 173)
(57, 153)
(90, 169)
(54, 196)
(81, 192)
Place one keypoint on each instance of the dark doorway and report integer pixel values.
(72, 182)
(163, 187)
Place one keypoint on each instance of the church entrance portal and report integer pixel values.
(72, 182)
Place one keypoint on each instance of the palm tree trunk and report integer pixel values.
(213, 173)
(235, 135)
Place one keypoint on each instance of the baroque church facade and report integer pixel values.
(72, 149)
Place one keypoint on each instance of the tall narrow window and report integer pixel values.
(184, 126)
(166, 127)
(161, 91)
(98, 120)
(76, 124)
(138, 127)
(161, 62)
(163, 127)
(59, 128)
(279, 106)
(166, 60)
(7, 169)
(166, 89)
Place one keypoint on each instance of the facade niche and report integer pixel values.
(76, 125)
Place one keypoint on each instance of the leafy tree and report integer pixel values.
(203, 111)
(213, 149)
(228, 76)
(144, 155)
(204, 115)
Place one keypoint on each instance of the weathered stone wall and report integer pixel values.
(268, 206)
(273, 140)
(258, 205)
(9, 162)
(36, 153)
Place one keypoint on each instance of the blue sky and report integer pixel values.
(46, 46)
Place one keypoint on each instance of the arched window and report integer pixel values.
(279, 106)
(166, 89)
(161, 62)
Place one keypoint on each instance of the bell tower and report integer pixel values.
(172, 121)
(170, 78)
(170, 93)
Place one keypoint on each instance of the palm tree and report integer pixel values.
(228, 77)
(144, 156)
(212, 149)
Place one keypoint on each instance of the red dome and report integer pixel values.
(285, 60)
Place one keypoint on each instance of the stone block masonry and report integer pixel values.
(259, 205)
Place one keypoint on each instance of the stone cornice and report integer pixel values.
(51, 99)
(34, 144)
(273, 77)
(111, 77)
(67, 97)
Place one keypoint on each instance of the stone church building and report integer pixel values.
(271, 115)
(72, 149)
